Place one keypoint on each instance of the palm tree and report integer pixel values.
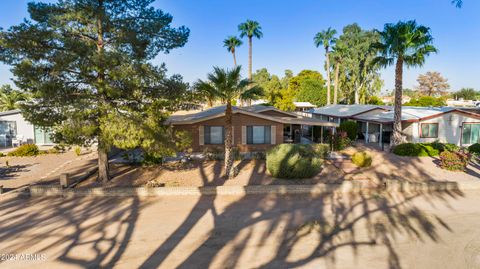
(10, 98)
(326, 38)
(402, 43)
(227, 85)
(250, 29)
(231, 43)
(458, 3)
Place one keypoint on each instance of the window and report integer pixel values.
(214, 135)
(258, 134)
(429, 130)
(470, 133)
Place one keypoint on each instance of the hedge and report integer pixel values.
(293, 161)
(416, 150)
(474, 148)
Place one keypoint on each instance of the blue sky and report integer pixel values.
(289, 27)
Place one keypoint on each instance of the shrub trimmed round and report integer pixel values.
(454, 161)
(362, 159)
(293, 161)
(474, 148)
(416, 150)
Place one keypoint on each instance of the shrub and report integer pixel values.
(416, 150)
(2, 154)
(362, 159)
(77, 150)
(293, 161)
(443, 146)
(25, 150)
(340, 140)
(475, 148)
(454, 161)
(321, 150)
(350, 127)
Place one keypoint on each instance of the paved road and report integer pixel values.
(418, 230)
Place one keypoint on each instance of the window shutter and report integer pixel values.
(273, 134)
(244, 135)
(201, 135)
(249, 135)
(233, 136)
(267, 135)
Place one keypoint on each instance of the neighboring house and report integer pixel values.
(303, 106)
(338, 113)
(255, 128)
(391, 99)
(419, 124)
(14, 128)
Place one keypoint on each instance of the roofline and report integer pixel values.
(10, 112)
(455, 110)
(253, 114)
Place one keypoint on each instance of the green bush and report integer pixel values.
(350, 127)
(340, 140)
(25, 150)
(474, 148)
(443, 146)
(416, 150)
(454, 161)
(2, 154)
(362, 159)
(293, 161)
(321, 150)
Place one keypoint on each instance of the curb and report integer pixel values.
(345, 187)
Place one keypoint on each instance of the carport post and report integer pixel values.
(321, 134)
(380, 139)
(366, 133)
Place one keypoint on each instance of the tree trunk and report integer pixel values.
(229, 169)
(335, 94)
(397, 116)
(250, 58)
(327, 68)
(103, 174)
(234, 59)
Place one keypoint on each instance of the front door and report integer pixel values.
(42, 136)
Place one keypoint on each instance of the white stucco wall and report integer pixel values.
(449, 128)
(23, 127)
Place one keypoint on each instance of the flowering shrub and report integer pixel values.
(454, 161)
(340, 140)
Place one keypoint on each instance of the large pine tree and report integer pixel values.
(87, 65)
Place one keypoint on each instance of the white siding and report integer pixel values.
(24, 127)
(449, 128)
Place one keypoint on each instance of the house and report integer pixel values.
(255, 128)
(419, 124)
(391, 99)
(14, 129)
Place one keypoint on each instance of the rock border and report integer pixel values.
(345, 187)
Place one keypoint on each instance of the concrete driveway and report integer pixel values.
(380, 230)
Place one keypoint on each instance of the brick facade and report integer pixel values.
(239, 120)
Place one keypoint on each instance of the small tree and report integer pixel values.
(86, 64)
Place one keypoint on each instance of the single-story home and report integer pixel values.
(14, 129)
(255, 128)
(419, 124)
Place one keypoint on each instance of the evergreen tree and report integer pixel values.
(86, 64)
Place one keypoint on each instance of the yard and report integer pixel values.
(385, 165)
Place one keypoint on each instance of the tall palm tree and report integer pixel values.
(231, 43)
(326, 38)
(403, 43)
(250, 29)
(227, 85)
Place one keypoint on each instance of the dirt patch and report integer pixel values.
(207, 173)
